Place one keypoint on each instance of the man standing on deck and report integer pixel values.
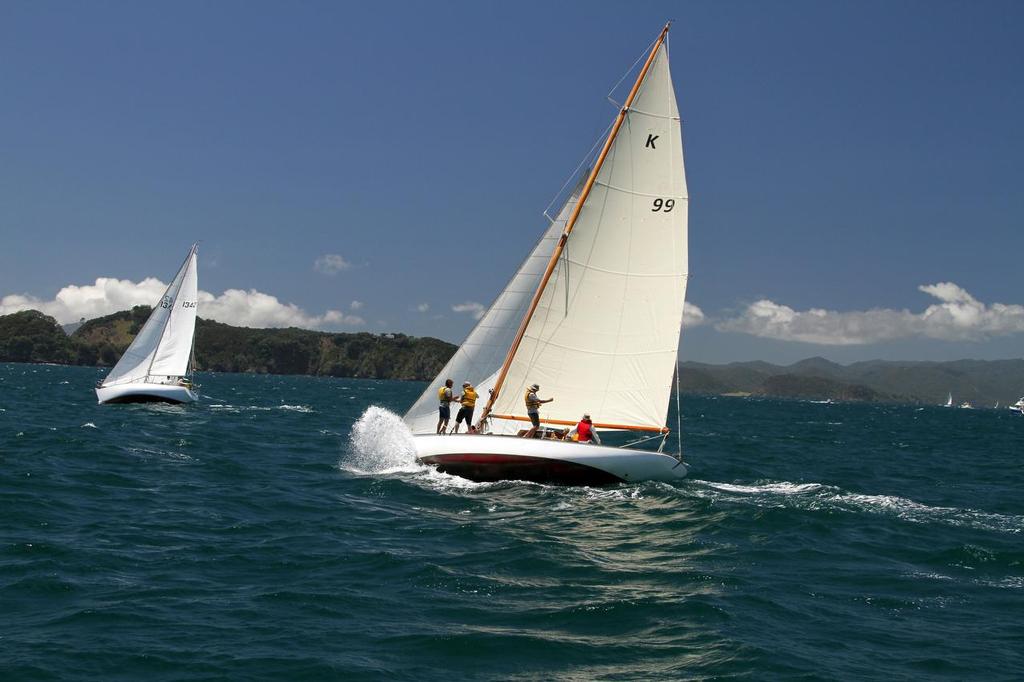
(445, 397)
(468, 400)
(533, 404)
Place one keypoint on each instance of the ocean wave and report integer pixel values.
(818, 496)
(297, 408)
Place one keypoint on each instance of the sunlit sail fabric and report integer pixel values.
(605, 335)
(164, 344)
(480, 356)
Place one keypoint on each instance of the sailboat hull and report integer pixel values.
(141, 392)
(488, 458)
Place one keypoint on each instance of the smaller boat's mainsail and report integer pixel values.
(163, 346)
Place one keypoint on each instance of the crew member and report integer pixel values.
(533, 404)
(445, 397)
(584, 432)
(468, 400)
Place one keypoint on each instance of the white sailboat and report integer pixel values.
(593, 315)
(157, 366)
(949, 400)
(1017, 406)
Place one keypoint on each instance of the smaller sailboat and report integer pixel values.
(158, 365)
(949, 401)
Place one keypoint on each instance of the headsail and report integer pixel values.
(164, 344)
(481, 354)
(604, 337)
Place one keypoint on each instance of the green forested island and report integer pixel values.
(31, 336)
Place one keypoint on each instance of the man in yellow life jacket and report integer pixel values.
(468, 400)
(445, 398)
(533, 404)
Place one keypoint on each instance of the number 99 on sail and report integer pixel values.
(663, 205)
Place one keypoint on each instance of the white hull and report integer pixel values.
(500, 458)
(143, 392)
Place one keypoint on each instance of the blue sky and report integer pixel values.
(839, 155)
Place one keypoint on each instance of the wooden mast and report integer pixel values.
(560, 246)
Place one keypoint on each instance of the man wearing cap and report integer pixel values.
(468, 400)
(584, 432)
(533, 404)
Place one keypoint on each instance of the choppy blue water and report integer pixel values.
(247, 538)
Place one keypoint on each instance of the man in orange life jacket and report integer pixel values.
(468, 400)
(584, 432)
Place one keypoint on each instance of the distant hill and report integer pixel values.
(981, 382)
(31, 336)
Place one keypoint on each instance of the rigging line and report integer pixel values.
(679, 414)
(643, 54)
(576, 171)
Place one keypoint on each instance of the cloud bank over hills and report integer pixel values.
(237, 307)
(957, 316)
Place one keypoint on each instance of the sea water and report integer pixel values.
(281, 529)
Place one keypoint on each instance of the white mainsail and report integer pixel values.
(163, 346)
(480, 356)
(604, 338)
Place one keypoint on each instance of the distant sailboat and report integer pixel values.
(1017, 406)
(949, 400)
(157, 366)
(593, 315)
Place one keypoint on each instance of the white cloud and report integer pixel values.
(356, 305)
(331, 264)
(108, 295)
(693, 316)
(957, 316)
(423, 307)
(477, 310)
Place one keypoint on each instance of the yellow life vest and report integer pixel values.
(530, 404)
(468, 397)
(444, 395)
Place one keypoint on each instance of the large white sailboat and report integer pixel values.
(157, 366)
(593, 315)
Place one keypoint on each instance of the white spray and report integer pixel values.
(380, 443)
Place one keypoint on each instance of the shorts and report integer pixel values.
(534, 419)
(465, 413)
(445, 412)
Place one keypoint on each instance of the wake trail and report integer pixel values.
(818, 496)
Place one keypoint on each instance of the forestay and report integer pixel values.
(163, 346)
(604, 337)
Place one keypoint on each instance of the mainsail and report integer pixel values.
(604, 337)
(163, 346)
